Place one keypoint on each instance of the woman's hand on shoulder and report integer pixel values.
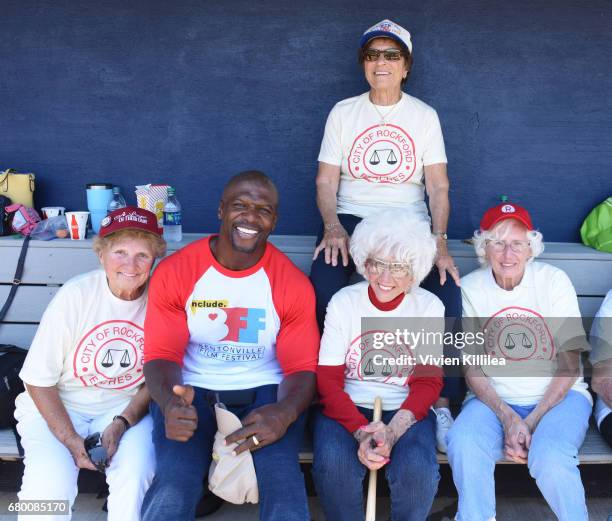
(445, 263)
(76, 445)
(335, 241)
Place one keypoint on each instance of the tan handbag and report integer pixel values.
(19, 188)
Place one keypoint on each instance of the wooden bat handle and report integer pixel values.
(371, 499)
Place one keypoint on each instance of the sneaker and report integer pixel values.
(444, 421)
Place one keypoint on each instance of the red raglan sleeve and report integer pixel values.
(425, 385)
(166, 331)
(297, 343)
(336, 403)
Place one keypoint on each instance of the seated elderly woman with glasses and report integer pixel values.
(394, 252)
(533, 406)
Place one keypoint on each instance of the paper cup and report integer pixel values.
(77, 224)
(52, 211)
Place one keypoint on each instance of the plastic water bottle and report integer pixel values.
(117, 201)
(173, 223)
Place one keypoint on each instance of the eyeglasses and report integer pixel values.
(396, 269)
(515, 246)
(390, 55)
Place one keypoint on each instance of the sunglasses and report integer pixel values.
(390, 55)
(97, 453)
(396, 269)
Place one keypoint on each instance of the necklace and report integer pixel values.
(386, 115)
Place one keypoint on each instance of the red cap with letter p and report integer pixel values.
(504, 211)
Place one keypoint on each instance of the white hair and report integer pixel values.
(499, 232)
(394, 234)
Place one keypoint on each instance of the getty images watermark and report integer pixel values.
(513, 343)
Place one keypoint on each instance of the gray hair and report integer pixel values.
(500, 232)
(395, 234)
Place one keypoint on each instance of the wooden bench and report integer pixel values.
(50, 264)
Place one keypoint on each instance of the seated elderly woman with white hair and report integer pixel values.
(535, 409)
(394, 252)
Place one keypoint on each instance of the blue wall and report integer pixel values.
(191, 92)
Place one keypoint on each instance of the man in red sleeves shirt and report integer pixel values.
(230, 315)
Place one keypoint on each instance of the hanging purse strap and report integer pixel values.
(16, 278)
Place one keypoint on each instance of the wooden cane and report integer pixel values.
(371, 499)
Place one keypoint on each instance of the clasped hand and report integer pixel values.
(376, 441)
(517, 440)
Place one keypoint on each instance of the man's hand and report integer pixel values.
(267, 423)
(335, 240)
(181, 418)
(112, 436)
(76, 445)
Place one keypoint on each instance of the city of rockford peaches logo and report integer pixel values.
(360, 363)
(110, 355)
(517, 334)
(383, 154)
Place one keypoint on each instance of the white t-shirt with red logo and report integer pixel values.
(90, 344)
(382, 165)
(344, 343)
(601, 343)
(524, 326)
(231, 329)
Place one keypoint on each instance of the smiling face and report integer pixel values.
(248, 213)
(508, 266)
(127, 263)
(384, 74)
(385, 279)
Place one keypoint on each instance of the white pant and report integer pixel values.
(50, 472)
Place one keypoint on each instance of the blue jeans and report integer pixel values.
(475, 443)
(182, 466)
(328, 280)
(338, 474)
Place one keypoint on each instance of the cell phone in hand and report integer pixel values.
(97, 453)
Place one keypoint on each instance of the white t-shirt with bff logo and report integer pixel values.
(90, 344)
(528, 326)
(382, 165)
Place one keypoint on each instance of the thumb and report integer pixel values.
(185, 392)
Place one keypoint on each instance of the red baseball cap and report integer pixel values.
(129, 218)
(504, 211)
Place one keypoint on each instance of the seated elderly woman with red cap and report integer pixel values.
(360, 359)
(84, 375)
(527, 400)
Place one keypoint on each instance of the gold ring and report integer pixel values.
(255, 440)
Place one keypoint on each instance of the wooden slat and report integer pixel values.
(30, 302)
(594, 450)
(18, 334)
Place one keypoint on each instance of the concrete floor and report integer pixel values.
(89, 508)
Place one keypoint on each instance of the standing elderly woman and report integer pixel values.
(383, 149)
(536, 409)
(394, 252)
(83, 374)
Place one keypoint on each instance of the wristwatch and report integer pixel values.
(122, 419)
(441, 234)
(331, 226)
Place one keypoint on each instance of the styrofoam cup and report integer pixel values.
(52, 211)
(77, 224)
